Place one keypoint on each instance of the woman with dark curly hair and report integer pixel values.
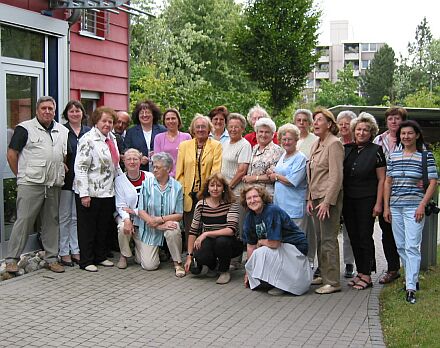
(213, 235)
(146, 116)
(276, 247)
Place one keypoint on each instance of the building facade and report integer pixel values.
(337, 55)
(45, 51)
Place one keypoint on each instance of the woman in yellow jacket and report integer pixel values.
(197, 159)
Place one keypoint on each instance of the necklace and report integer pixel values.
(408, 162)
(133, 179)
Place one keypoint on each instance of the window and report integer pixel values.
(373, 47)
(365, 47)
(365, 64)
(94, 23)
(369, 47)
(30, 47)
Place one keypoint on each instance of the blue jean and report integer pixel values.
(408, 236)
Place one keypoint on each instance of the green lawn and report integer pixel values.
(418, 325)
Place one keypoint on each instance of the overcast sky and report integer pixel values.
(390, 21)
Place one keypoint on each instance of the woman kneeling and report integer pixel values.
(213, 234)
(276, 247)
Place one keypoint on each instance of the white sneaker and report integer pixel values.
(224, 278)
(91, 268)
(107, 263)
(276, 292)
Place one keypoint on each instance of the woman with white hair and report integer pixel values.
(264, 155)
(343, 120)
(289, 176)
(254, 114)
(303, 120)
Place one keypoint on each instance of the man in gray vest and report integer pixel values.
(36, 156)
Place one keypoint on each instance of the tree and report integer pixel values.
(423, 98)
(378, 79)
(276, 46)
(342, 92)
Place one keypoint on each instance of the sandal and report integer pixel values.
(180, 271)
(363, 284)
(354, 280)
(389, 277)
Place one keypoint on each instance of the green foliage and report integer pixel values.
(378, 79)
(276, 46)
(342, 92)
(418, 325)
(423, 98)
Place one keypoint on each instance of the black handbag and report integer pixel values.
(431, 207)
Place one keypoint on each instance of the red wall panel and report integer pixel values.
(98, 83)
(104, 48)
(98, 65)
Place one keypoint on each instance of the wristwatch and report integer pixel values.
(276, 177)
(189, 254)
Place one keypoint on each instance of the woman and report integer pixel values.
(253, 116)
(394, 116)
(170, 140)
(346, 136)
(96, 166)
(324, 197)
(213, 236)
(75, 114)
(128, 189)
(146, 116)
(276, 247)
(218, 117)
(405, 200)
(343, 120)
(289, 176)
(303, 120)
(264, 155)
(364, 176)
(235, 162)
(197, 159)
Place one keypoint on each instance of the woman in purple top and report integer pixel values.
(169, 141)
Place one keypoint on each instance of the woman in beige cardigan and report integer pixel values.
(324, 199)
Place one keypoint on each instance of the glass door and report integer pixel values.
(20, 88)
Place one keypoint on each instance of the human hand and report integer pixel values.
(309, 208)
(246, 280)
(323, 211)
(128, 227)
(377, 210)
(199, 240)
(129, 211)
(187, 263)
(420, 212)
(387, 215)
(168, 225)
(85, 201)
(144, 160)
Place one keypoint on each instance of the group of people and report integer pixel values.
(211, 191)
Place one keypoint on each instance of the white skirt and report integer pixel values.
(285, 268)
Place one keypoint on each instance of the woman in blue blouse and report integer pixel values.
(405, 200)
(276, 247)
(146, 116)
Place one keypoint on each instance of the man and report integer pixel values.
(123, 120)
(36, 156)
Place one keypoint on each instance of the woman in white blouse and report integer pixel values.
(96, 166)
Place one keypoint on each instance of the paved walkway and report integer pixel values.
(136, 308)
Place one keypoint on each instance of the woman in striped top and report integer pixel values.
(212, 237)
(405, 199)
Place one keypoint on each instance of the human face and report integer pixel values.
(288, 142)
(255, 117)
(393, 123)
(321, 125)
(132, 162)
(74, 115)
(302, 122)
(46, 113)
(105, 123)
(201, 129)
(344, 127)
(122, 122)
(254, 201)
(264, 135)
(218, 122)
(146, 117)
(362, 133)
(408, 137)
(215, 189)
(160, 171)
(171, 121)
(235, 129)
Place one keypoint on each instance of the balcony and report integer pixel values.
(322, 75)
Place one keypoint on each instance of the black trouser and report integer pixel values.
(389, 245)
(222, 248)
(359, 222)
(93, 226)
